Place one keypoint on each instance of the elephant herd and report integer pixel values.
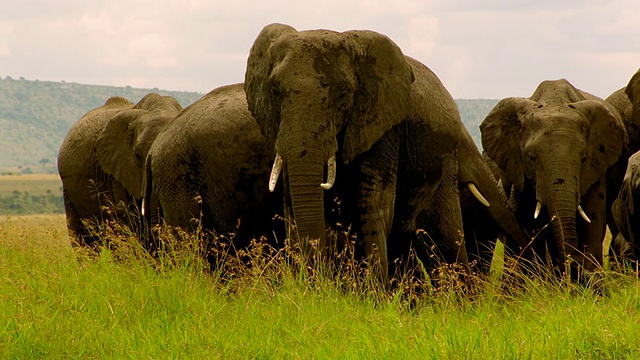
(342, 129)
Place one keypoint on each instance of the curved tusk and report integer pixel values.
(275, 172)
(537, 211)
(583, 214)
(331, 173)
(142, 210)
(476, 193)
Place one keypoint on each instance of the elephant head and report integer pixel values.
(122, 147)
(319, 96)
(561, 141)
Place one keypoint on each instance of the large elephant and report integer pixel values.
(627, 101)
(101, 160)
(380, 125)
(210, 168)
(556, 149)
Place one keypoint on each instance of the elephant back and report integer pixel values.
(212, 151)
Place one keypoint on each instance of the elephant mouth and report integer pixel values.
(279, 162)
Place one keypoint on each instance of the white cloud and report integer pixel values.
(487, 49)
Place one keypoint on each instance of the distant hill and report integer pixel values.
(35, 116)
(472, 113)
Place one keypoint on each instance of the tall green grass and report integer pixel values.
(61, 302)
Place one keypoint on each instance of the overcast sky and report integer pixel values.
(479, 49)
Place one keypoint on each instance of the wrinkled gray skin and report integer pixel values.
(556, 147)
(101, 160)
(627, 102)
(624, 212)
(210, 168)
(392, 126)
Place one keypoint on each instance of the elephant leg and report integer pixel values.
(74, 222)
(442, 221)
(594, 205)
(377, 177)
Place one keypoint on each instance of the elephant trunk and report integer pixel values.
(307, 145)
(307, 205)
(561, 199)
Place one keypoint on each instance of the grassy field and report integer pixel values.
(59, 302)
(30, 194)
(35, 184)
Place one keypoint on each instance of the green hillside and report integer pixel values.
(35, 116)
(472, 113)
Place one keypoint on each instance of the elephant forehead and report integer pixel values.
(557, 118)
(312, 38)
(311, 43)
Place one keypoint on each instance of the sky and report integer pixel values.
(479, 49)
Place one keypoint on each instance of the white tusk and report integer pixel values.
(275, 172)
(476, 193)
(583, 214)
(537, 211)
(331, 173)
(142, 210)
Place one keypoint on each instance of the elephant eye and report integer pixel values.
(532, 157)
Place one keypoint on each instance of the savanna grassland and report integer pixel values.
(36, 184)
(60, 302)
(24, 194)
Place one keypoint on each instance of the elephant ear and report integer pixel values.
(501, 134)
(621, 103)
(259, 66)
(630, 188)
(383, 96)
(606, 140)
(115, 151)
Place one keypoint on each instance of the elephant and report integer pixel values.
(381, 127)
(627, 102)
(558, 148)
(209, 170)
(101, 161)
(628, 240)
